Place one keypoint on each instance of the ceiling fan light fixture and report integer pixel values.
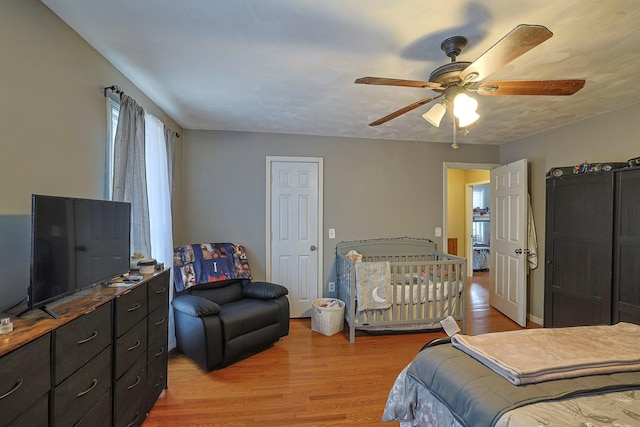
(468, 119)
(464, 108)
(435, 114)
(457, 77)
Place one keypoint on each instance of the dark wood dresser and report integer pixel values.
(103, 362)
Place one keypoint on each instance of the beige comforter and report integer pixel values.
(535, 355)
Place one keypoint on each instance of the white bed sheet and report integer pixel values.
(415, 294)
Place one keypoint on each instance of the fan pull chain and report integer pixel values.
(455, 145)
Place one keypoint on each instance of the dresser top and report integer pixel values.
(36, 323)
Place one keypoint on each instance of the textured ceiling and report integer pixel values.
(288, 66)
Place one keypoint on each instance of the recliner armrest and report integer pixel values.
(195, 306)
(263, 290)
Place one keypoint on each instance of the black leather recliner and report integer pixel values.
(218, 324)
(221, 322)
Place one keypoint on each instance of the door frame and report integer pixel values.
(292, 159)
(445, 188)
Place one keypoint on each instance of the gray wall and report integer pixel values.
(372, 188)
(53, 121)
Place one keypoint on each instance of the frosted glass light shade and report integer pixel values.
(435, 114)
(468, 119)
(464, 108)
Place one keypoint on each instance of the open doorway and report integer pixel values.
(459, 230)
(478, 225)
(508, 236)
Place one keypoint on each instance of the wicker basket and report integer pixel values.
(327, 320)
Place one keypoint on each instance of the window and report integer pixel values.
(113, 112)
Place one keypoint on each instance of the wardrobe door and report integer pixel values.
(626, 288)
(578, 250)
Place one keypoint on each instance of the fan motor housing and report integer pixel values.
(449, 73)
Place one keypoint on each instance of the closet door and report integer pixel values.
(578, 251)
(626, 289)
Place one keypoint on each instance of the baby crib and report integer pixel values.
(422, 286)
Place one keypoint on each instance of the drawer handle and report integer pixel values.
(160, 352)
(15, 387)
(134, 384)
(95, 334)
(132, 423)
(159, 384)
(160, 322)
(82, 393)
(135, 307)
(134, 346)
(161, 291)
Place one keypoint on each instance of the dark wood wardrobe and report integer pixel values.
(592, 249)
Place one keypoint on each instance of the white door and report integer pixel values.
(294, 230)
(509, 212)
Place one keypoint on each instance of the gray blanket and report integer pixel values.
(477, 396)
(373, 285)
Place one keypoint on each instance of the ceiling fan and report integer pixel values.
(456, 79)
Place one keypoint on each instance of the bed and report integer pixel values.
(580, 376)
(481, 257)
(399, 284)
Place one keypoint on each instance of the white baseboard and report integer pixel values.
(535, 319)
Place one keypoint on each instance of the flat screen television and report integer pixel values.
(76, 243)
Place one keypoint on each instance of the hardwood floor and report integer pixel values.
(307, 379)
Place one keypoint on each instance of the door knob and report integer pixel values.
(518, 251)
(313, 248)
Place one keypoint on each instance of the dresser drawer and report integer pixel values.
(129, 392)
(158, 291)
(130, 347)
(80, 340)
(130, 308)
(157, 357)
(24, 377)
(158, 324)
(37, 415)
(78, 393)
(133, 416)
(98, 416)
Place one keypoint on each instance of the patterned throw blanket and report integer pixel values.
(373, 285)
(208, 262)
(535, 355)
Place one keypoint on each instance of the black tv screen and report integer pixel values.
(76, 243)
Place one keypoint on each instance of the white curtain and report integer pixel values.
(159, 160)
(170, 139)
(129, 171)
(159, 191)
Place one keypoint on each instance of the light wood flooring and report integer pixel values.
(306, 379)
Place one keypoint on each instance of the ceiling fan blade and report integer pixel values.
(556, 87)
(396, 82)
(519, 41)
(403, 110)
